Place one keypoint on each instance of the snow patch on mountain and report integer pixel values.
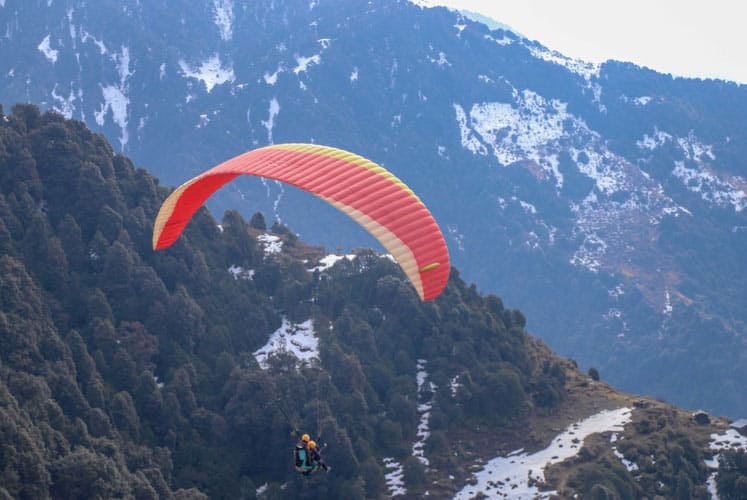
(500, 41)
(71, 26)
(604, 226)
(585, 69)
(223, 18)
(423, 4)
(639, 101)
(441, 61)
(696, 171)
(454, 386)
(617, 316)
(239, 273)
(533, 131)
(596, 91)
(624, 200)
(694, 149)
(64, 105)
(297, 339)
(304, 63)
(115, 97)
(204, 119)
(272, 244)
(123, 65)
(268, 185)
(424, 409)
(460, 26)
(609, 172)
(517, 474)
(86, 36)
(526, 206)
(269, 124)
(527, 129)
(668, 307)
(631, 466)
(591, 253)
(457, 236)
(210, 72)
(328, 261)
(45, 48)
(272, 79)
(395, 482)
(469, 139)
(652, 142)
(722, 192)
(730, 439)
(551, 231)
(617, 292)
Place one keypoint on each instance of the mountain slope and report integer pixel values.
(178, 374)
(607, 202)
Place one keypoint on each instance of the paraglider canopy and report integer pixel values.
(368, 193)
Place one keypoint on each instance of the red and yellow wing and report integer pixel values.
(365, 191)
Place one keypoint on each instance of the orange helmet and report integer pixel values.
(312, 445)
(305, 438)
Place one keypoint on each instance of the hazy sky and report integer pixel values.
(700, 38)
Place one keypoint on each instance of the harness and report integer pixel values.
(301, 459)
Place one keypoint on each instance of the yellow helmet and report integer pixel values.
(312, 445)
(305, 438)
